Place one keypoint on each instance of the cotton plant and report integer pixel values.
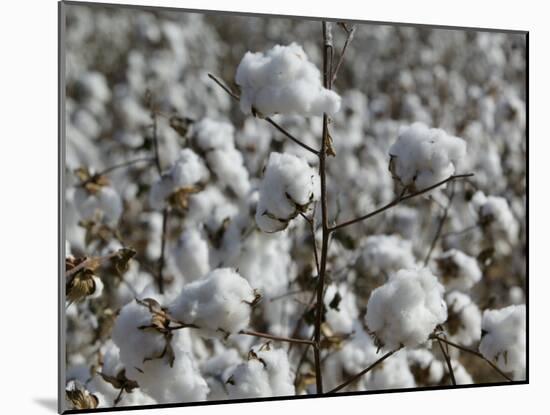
(504, 339)
(236, 209)
(289, 185)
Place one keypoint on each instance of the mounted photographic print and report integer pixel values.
(258, 207)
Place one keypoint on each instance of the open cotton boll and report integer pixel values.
(191, 255)
(209, 134)
(359, 351)
(495, 216)
(464, 322)
(458, 270)
(385, 254)
(289, 185)
(267, 373)
(216, 371)
(219, 304)
(341, 308)
(424, 156)
(283, 81)
(188, 171)
(504, 339)
(126, 335)
(426, 369)
(406, 309)
(393, 373)
(182, 382)
(228, 165)
(104, 204)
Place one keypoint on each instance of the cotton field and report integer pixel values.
(261, 207)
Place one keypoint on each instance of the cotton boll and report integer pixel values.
(182, 382)
(504, 339)
(104, 204)
(424, 156)
(385, 254)
(426, 369)
(187, 172)
(219, 304)
(341, 308)
(126, 335)
(464, 322)
(359, 351)
(228, 166)
(289, 185)
(191, 255)
(393, 373)
(283, 81)
(406, 309)
(458, 270)
(217, 370)
(495, 217)
(267, 373)
(462, 377)
(209, 134)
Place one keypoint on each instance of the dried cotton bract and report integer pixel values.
(288, 187)
(424, 156)
(406, 309)
(503, 341)
(283, 81)
(220, 303)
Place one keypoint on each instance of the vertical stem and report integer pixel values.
(327, 71)
(160, 277)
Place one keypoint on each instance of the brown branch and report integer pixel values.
(276, 338)
(448, 361)
(115, 167)
(364, 371)
(162, 250)
(399, 200)
(268, 119)
(440, 225)
(475, 353)
(311, 222)
(327, 71)
(349, 38)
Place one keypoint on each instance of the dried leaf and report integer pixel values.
(79, 397)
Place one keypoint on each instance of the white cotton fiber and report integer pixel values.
(188, 171)
(191, 254)
(104, 204)
(283, 81)
(267, 373)
(424, 156)
(406, 309)
(464, 324)
(504, 339)
(219, 304)
(458, 270)
(495, 216)
(289, 185)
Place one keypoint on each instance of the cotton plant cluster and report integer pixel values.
(237, 255)
(283, 80)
